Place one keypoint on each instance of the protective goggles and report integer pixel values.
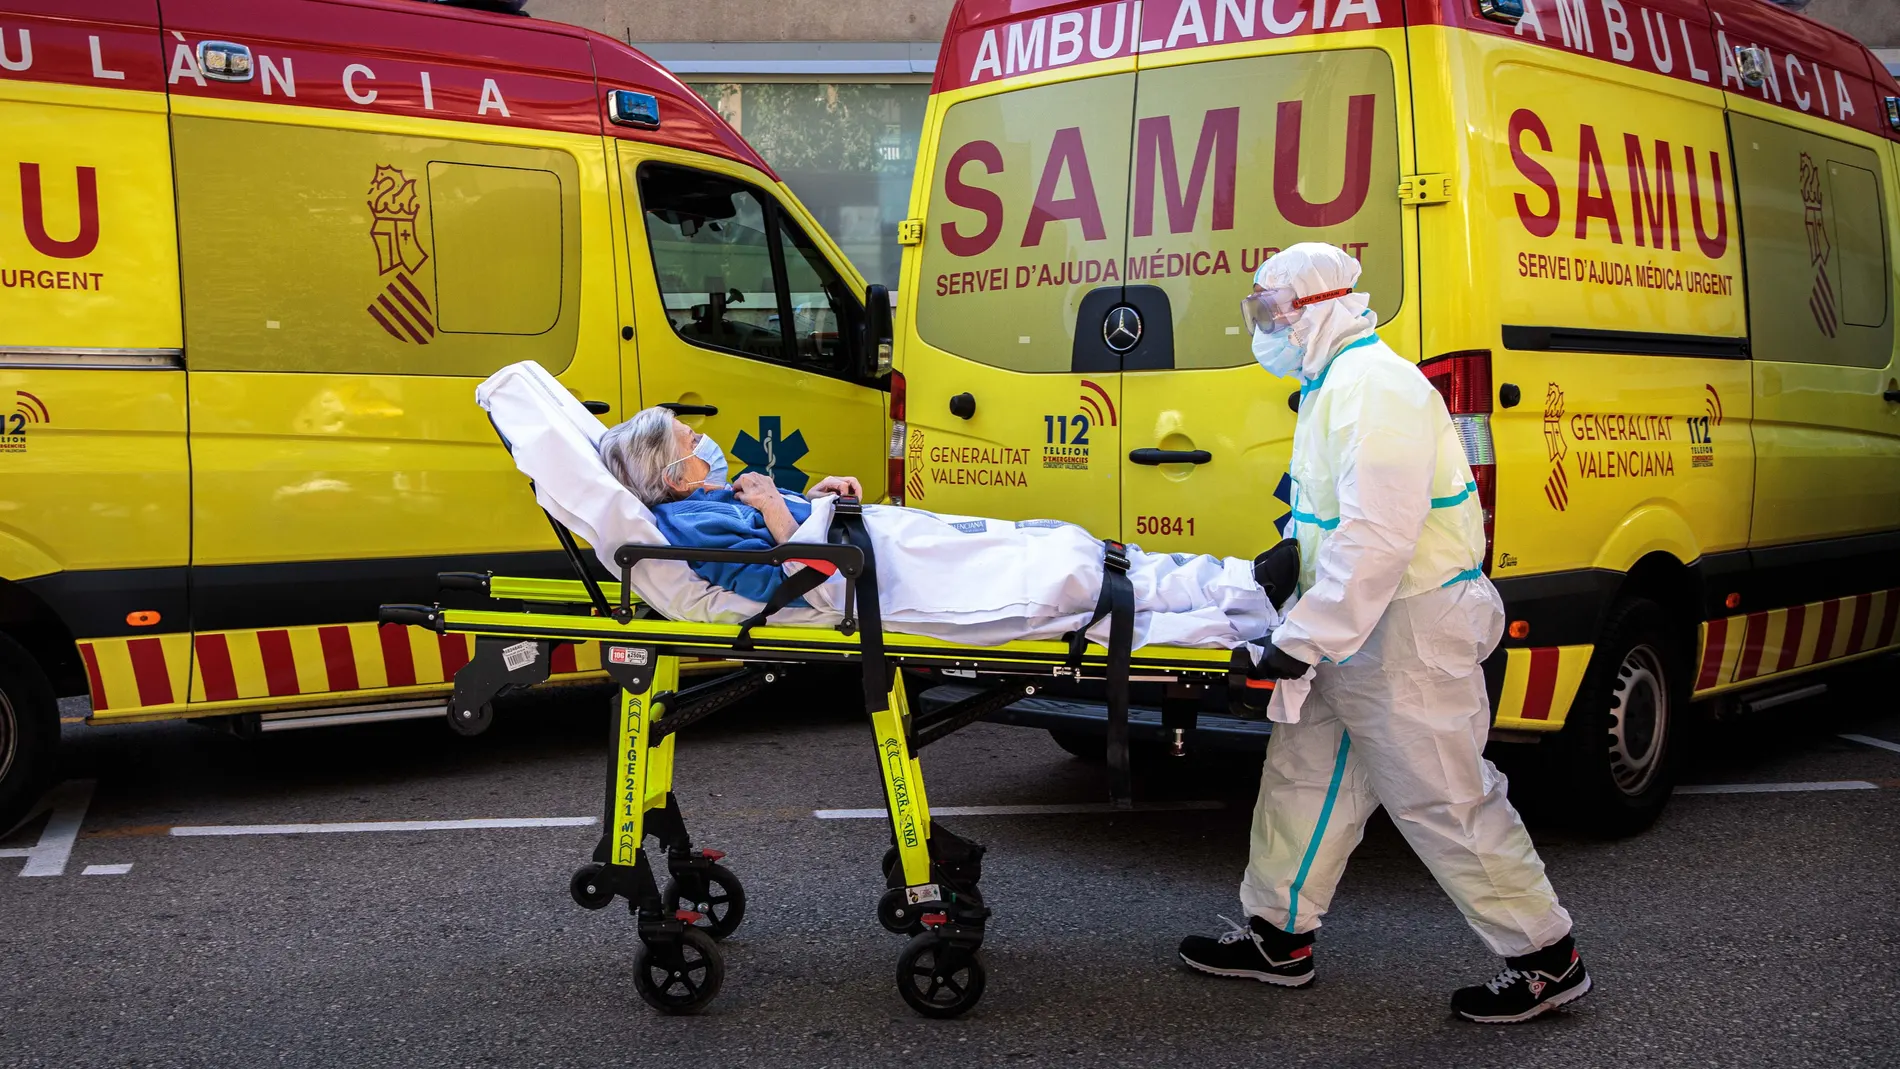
(1271, 311)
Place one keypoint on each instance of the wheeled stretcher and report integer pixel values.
(931, 876)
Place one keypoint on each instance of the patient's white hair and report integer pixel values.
(638, 451)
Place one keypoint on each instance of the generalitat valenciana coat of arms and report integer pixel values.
(400, 308)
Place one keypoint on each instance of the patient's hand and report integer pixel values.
(842, 485)
(761, 493)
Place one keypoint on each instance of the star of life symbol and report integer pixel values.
(400, 309)
(774, 453)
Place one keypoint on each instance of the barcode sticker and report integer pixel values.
(520, 655)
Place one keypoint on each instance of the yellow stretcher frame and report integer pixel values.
(931, 874)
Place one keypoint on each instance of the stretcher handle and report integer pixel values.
(411, 615)
(475, 581)
(847, 559)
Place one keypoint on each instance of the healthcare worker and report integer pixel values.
(1382, 701)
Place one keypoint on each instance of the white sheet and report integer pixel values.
(965, 579)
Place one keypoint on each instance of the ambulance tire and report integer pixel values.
(1615, 758)
(1089, 747)
(29, 733)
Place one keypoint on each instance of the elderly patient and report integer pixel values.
(983, 581)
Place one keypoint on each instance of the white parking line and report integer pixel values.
(49, 856)
(106, 870)
(1869, 740)
(1778, 788)
(1017, 810)
(383, 825)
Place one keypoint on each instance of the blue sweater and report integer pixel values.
(717, 519)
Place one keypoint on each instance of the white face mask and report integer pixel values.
(1278, 354)
(708, 450)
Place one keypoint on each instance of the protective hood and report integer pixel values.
(1324, 327)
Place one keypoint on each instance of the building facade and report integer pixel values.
(831, 92)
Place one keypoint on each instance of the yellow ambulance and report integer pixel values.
(254, 259)
(1645, 248)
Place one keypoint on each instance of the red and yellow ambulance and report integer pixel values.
(1644, 247)
(254, 258)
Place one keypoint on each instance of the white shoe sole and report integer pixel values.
(1538, 1010)
(1248, 974)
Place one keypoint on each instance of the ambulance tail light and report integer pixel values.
(1464, 380)
(894, 462)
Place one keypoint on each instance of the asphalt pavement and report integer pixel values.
(1757, 927)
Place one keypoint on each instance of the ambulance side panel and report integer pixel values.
(94, 482)
(353, 267)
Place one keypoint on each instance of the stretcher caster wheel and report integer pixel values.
(588, 889)
(685, 984)
(471, 722)
(937, 977)
(722, 907)
(896, 913)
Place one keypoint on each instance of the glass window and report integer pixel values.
(713, 260)
(819, 303)
(847, 149)
(738, 276)
(1185, 178)
(486, 216)
(1814, 234)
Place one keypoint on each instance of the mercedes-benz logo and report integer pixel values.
(1121, 330)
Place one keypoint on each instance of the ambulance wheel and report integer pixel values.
(29, 733)
(1615, 763)
(588, 890)
(1089, 747)
(938, 978)
(685, 985)
(723, 908)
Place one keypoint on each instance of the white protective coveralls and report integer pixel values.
(1396, 616)
(960, 578)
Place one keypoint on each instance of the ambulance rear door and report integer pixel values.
(95, 515)
(1252, 132)
(1013, 368)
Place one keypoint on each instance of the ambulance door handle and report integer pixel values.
(1152, 457)
(679, 409)
(1892, 397)
(598, 408)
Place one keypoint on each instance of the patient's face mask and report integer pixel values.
(707, 452)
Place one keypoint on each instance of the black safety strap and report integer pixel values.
(789, 589)
(1117, 604)
(848, 519)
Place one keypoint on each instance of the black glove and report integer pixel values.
(1278, 664)
(1278, 571)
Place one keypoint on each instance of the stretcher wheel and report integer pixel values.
(937, 977)
(685, 984)
(587, 888)
(720, 911)
(896, 914)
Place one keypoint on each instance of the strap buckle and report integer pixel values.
(1115, 555)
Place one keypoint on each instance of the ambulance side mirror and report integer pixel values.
(879, 334)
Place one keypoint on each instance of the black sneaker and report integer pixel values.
(1529, 986)
(1258, 951)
